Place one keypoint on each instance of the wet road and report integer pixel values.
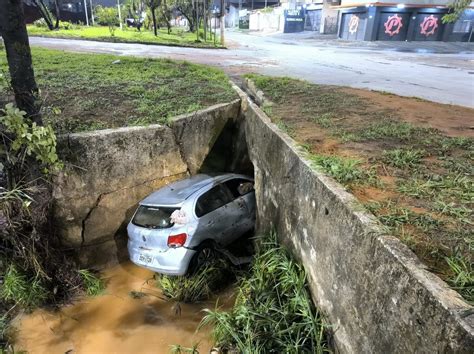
(444, 78)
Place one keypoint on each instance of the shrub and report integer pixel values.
(107, 16)
(67, 25)
(41, 23)
(38, 141)
(273, 312)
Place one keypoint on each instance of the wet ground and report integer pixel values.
(414, 69)
(116, 322)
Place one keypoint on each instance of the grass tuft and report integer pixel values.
(403, 158)
(273, 312)
(19, 289)
(342, 169)
(93, 285)
(462, 276)
(196, 287)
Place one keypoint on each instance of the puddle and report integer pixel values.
(115, 322)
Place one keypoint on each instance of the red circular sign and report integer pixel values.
(429, 25)
(393, 25)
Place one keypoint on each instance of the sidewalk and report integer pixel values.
(331, 40)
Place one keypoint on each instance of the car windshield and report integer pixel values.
(153, 217)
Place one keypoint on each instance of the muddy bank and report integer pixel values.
(115, 322)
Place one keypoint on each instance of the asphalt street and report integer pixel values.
(444, 77)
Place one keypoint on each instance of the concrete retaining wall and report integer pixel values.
(108, 171)
(376, 294)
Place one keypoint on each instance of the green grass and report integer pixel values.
(17, 288)
(273, 312)
(462, 276)
(403, 158)
(177, 37)
(343, 169)
(196, 287)
(93, 285)
(84, 92)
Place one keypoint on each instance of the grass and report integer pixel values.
(420, 181)
(201, 285)
(462, 278)
(177, 37)
(83, 92)
(17, 288)
(93, 285)
(403, 158)
(343, 169)
(273, 312)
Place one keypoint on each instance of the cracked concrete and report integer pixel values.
(109, 171)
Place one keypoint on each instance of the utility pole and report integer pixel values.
(85, 11)
(120, 14)
(92, 14)
(222, 22)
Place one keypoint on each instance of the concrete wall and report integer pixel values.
(376, 294)
(109, 171)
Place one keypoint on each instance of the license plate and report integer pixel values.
(145, 258)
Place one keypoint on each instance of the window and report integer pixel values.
(153, 217)
(212, 200)
(239, 187)
(462, 26)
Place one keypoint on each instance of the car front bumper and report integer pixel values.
(172, 261)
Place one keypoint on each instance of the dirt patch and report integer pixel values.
(119, 321)
(449, 119)
(409, 161)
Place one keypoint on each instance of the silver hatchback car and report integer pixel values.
(175, 228)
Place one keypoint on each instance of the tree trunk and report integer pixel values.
(44, 13)
(58, 14)
(15, 37)
(153, 15)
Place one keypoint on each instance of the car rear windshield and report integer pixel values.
(153, 217)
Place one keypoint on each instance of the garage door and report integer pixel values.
(428, 27)
(312, 20)
(393, 26)
(353, 26)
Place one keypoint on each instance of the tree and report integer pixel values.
(166, 15)
(15, 38)
(186, 8)
(153, 5)
(456, 8)
(107, 16)
(47, 14)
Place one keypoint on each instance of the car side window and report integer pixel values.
(212, 200)
(239, 187)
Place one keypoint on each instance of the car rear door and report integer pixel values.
(244, 200)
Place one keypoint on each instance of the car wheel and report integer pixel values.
(204, 256)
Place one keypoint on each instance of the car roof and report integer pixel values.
(176, 193)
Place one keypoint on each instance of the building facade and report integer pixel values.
(402, 21)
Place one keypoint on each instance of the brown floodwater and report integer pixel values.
(115, 322)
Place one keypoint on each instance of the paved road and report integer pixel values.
(445, 78)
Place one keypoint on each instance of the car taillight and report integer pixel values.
(176, 240)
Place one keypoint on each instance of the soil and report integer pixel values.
(116, 322)
(449, 119)
(330, 121)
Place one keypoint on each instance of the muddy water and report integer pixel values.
(115, 322)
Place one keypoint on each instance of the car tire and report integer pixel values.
(205, 253)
